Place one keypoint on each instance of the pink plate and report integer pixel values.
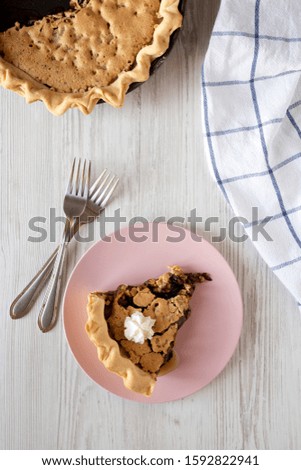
(206, 341)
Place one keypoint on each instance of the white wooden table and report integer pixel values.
(155, 144)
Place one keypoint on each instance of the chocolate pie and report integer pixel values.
(134, 328)
(93, 51)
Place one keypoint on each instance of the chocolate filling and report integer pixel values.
(167, 300)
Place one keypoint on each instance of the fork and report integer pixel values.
(99, 195)
(75, 202)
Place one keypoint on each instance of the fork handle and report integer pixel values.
(50, 305)
(25, 300)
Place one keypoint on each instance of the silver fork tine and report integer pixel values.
(95, 185)
(82, 167)
(105, 191)
(70, 183)
(76, 178)
(97, 193)
(101, 195)
(82, 188)
(110, 192)
(87, 180)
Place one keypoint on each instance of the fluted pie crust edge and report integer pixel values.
(108, 351)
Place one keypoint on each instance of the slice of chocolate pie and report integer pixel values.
(93, 51)
(134, 328)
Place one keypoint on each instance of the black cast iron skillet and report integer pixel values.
(27, 11)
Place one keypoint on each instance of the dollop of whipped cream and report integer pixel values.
(138, 328)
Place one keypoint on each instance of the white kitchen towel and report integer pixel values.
(251, 84)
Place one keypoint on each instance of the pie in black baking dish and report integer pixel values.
(92, 51)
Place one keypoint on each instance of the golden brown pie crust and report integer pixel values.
(109, 353)
(165, 300)
(92, 52)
